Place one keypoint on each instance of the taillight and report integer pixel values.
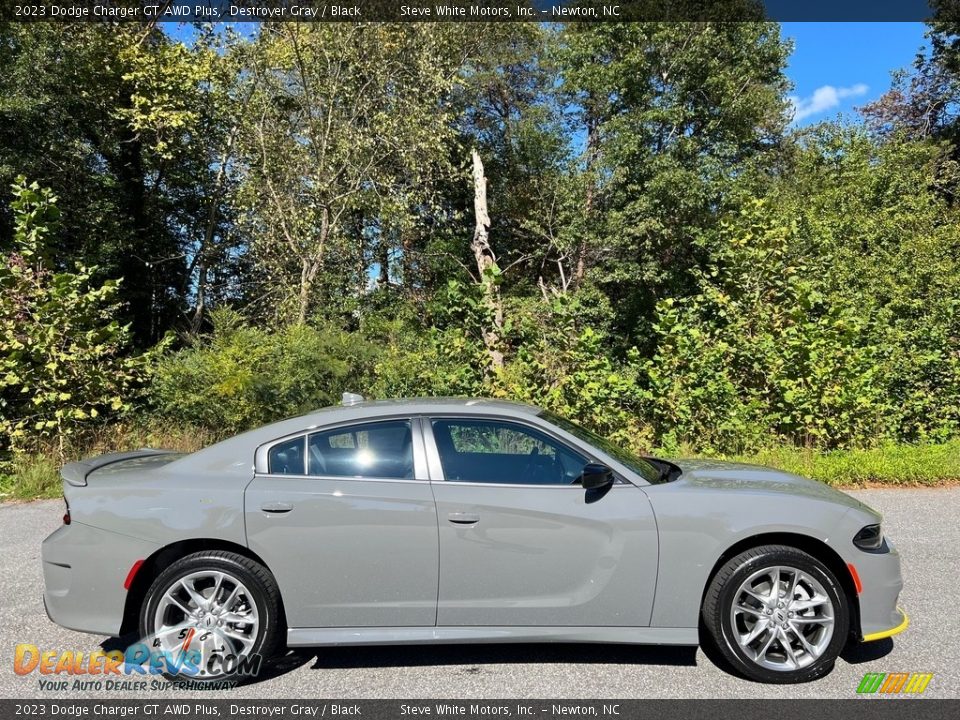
(66, 515)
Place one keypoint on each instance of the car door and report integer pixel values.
(345, 519)
(522, 544)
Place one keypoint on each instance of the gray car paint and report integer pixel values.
(357, 560)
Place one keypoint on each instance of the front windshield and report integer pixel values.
(643, 468)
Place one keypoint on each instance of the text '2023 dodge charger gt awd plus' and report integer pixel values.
(458, 521)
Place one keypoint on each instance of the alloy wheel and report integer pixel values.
(210, 611)
(782, 618)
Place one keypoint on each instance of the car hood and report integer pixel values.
(743, 477)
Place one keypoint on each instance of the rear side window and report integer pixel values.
(370, 450)
(286, 458)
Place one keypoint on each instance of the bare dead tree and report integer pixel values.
(487, 266)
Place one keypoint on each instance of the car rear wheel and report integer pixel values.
(212, 616)
(777, 615)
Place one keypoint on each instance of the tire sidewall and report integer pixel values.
(267, 614)
(809, 565)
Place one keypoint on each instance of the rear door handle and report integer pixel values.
(459, 518)
(276, 507)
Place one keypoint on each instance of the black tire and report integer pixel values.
(255, 578)
(720, 596)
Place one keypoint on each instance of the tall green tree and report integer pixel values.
(669, 115)
(342, 136)
(71, 102)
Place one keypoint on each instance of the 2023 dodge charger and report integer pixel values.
(458, 521)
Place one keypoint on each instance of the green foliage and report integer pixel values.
(244, 376)
(31, 475)
(96, 114)
(61, 350)
(677, 267)
(761, 349)
(564, 363)
(825, 319)
(677, 110)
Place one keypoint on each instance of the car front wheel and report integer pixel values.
(211, 616)
(777, 615)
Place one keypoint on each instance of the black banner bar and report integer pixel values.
(174, 11)
(269, 709)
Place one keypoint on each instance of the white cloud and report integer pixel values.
(823, 99)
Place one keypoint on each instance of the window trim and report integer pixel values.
(436, 467)
(261, 465)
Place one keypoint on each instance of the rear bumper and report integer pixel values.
(84, 569)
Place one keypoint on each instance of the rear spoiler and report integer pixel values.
(76, 473)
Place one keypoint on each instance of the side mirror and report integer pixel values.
(595, 476)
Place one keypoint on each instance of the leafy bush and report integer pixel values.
(826, 320)
(240, 376)
(62, 360)
(564, 362)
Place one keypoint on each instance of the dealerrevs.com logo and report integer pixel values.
(894, 683)
(198, 661)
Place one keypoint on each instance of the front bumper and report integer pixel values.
(896, 630)
(84, 569)
(880, 576)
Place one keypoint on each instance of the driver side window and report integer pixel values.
(497, 451)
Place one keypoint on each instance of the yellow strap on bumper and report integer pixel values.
(891, 632)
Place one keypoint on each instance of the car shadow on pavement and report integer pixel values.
(494, 654)
(476, 656)
(119, 643)
(278, 666)
(856, 653)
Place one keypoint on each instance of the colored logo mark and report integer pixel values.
(894, 683)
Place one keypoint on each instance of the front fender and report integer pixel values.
(697, 526)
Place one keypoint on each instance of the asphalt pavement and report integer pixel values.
(922, 522)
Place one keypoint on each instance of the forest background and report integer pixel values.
(617, 222)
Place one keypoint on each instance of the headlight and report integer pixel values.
(869, 538)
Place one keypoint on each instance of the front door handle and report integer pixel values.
(459, 518)
(276, 507)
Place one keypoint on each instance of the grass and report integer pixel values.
(889, 465)
(30, 476)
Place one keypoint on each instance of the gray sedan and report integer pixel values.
(460, 521)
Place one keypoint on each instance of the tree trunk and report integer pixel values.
(303, 302)
(203, 253)
(487, 266)
(583, 246)
(310, 266)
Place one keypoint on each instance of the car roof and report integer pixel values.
(222, 455)
(446, 403)
(415, 405)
